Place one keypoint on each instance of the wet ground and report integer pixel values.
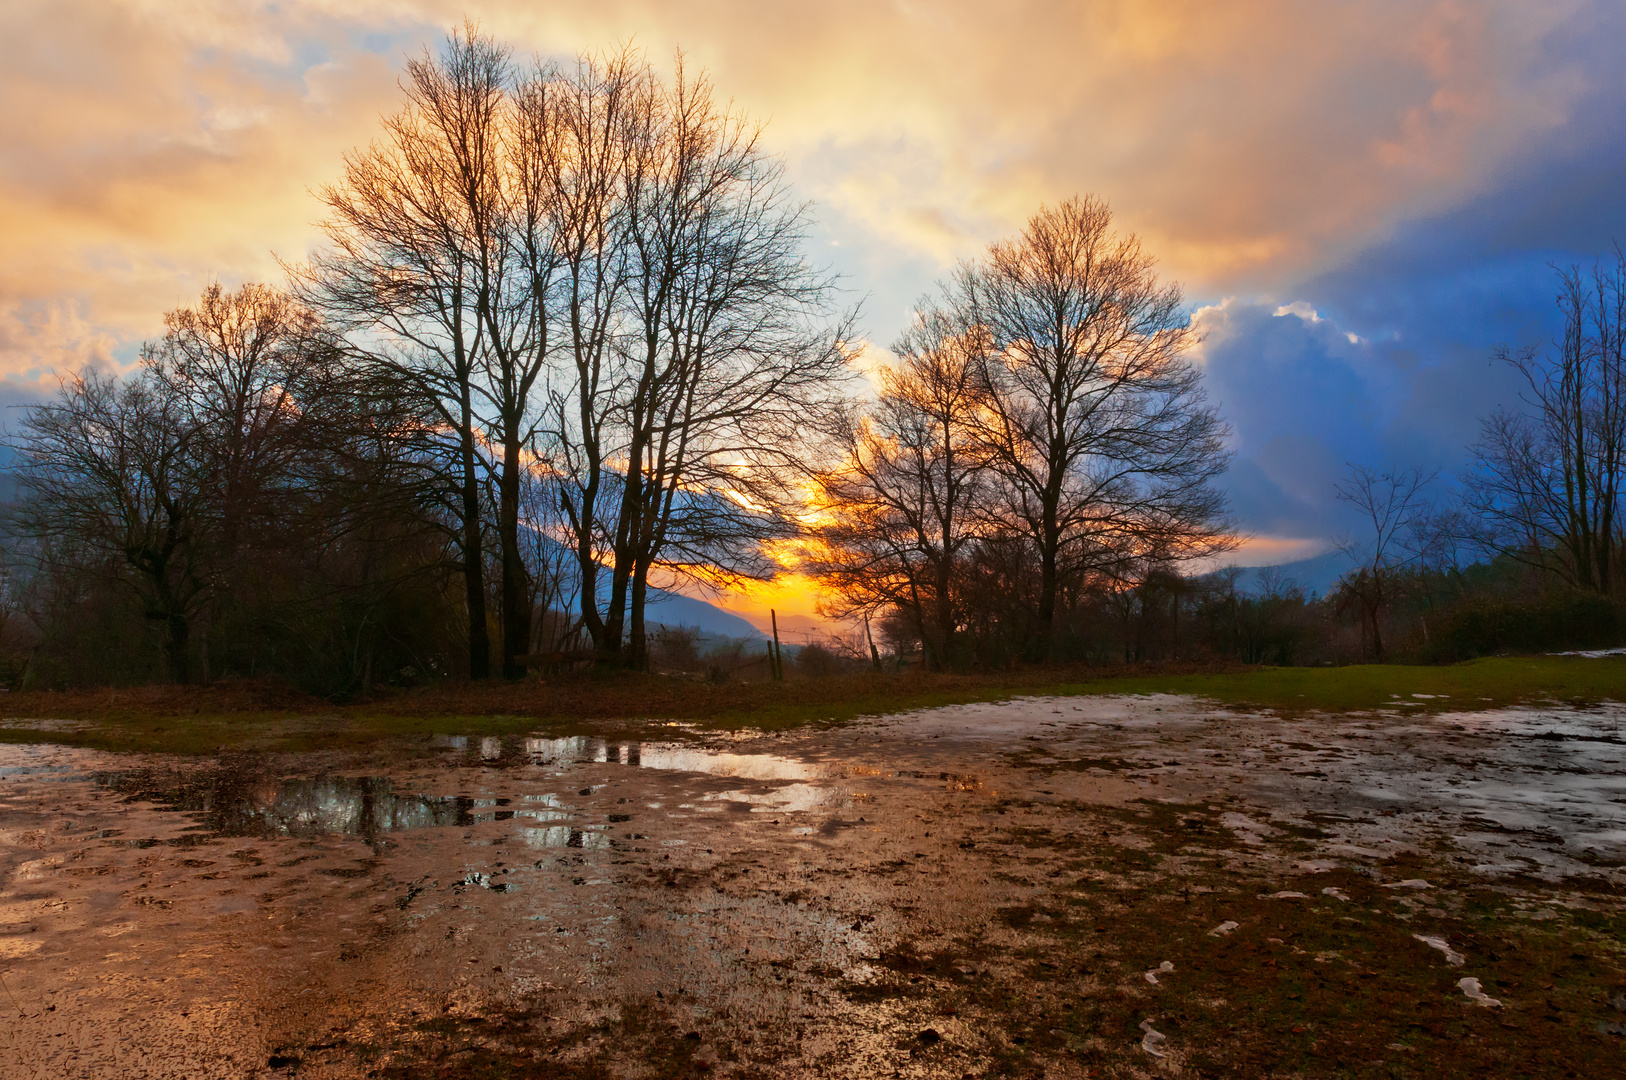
(1048, 887)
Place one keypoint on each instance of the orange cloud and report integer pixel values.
(153, 145)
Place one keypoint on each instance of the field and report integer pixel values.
(1361, 872)
(193, 720)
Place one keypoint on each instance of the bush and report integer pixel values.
(815, 661)
(1554, 622)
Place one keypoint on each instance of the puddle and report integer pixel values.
(232, 803)
(238, 800)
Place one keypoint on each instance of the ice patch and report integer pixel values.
(1452, 957)
(1470, 987)
(1334, 892)
(1409, 883)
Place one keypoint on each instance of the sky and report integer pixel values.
(1362, 200)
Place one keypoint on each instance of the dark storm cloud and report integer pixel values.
(1428, 306)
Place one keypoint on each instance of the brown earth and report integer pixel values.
(1037, 888)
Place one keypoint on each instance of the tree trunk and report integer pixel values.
(178, 636)
(944, 615)
(1043, 642)
(637, 642)
(516, 606)
(473, 563)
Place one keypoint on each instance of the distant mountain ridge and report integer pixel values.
(674, 609)
(1314, 575)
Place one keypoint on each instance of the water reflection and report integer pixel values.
(671, 757)
(234, 804)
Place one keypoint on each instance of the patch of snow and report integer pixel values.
(1470, 987)
(1452, 957)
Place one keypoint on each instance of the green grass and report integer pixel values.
(201, 721)
(1491, 682)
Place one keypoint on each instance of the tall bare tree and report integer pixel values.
(597, 114)
(1550, 482)
(739, 349)
(898, 512)
(1095, 418)
(697, 339)
(594, 275)
(417, 273)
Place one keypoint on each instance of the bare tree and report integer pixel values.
(593, 115)
(416, 272)
(592, 275)
(899, 508)
(196, 466)
(739, 349)
(1549, 480)
(1096, 420)
(253, 376)
(1395, 511)
(112, 467)
(698, 341)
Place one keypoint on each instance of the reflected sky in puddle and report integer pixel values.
(232, 801)
(666, 756)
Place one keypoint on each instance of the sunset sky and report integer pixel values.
(1360, 198)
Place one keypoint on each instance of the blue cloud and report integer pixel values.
(1395, 367)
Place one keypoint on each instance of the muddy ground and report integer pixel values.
(1066, 887)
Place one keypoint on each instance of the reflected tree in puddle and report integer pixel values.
(235, 804)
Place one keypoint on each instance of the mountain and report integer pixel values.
(675, 609)
(1316, 575)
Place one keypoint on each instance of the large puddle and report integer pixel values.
(241, 799)
(741, 904)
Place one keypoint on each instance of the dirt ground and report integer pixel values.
(1061, 887)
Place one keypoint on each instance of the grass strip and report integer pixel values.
(259, 716)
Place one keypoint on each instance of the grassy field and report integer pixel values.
(193, 720)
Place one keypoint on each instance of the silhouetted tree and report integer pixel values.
(1392, 506)
(1548, 489)
(419, 272)
(1094, 417)
(898, 514)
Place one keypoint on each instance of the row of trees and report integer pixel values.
(562, 336)
(562, 339)
(1037, 465)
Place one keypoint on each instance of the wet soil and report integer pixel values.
(1062, 887)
